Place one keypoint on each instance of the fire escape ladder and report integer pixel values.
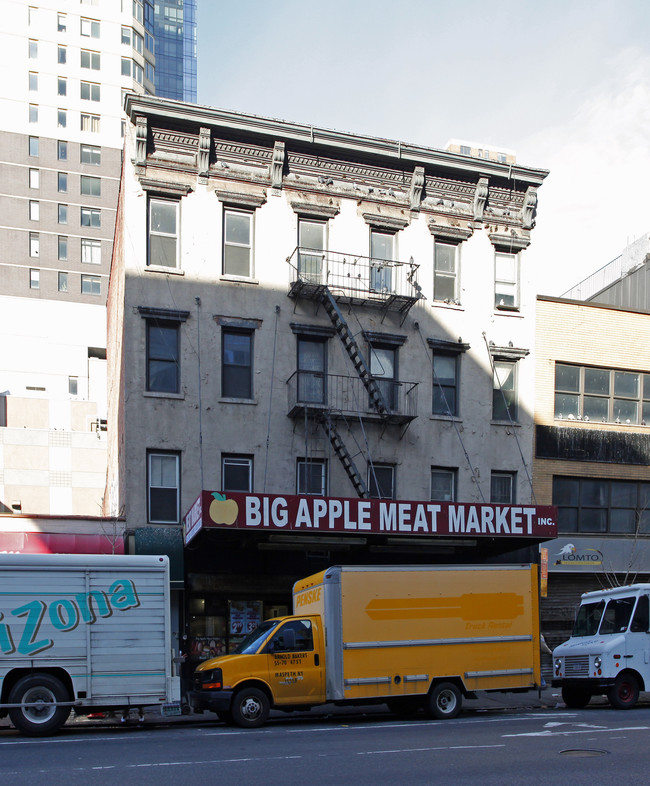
(352, 348)
(344, 455)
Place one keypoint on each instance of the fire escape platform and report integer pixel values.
(300, 409)
(308, 290)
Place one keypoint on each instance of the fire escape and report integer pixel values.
(332, 279)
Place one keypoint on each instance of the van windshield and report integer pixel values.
(604, 618)
(588, 619)
(253, 641)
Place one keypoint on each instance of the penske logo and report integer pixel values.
(308, 596)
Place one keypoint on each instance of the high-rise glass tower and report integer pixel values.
(175, 34)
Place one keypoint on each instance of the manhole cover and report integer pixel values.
(583, 752)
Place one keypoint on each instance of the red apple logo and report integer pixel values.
(222, 510)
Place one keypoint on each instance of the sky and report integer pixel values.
(565, 84)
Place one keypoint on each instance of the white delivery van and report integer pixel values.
(83, 632)
(609, 649)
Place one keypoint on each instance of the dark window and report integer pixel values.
(163, 359)
(504, 391)
(163, 487)
(237, 364)
(383, 368)
(443, 484)
(311, 240)
(601, 394)
(236, 473)
(445, 383)
(602, 505)
(381, 481)
(502, 488)
(312, 371)
(382, 251)
(312, 477)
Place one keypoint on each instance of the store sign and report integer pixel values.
(272, 512)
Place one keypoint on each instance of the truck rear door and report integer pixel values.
(296, 662)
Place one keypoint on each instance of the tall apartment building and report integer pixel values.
(64, 68)
(175, 34)
(307, 325)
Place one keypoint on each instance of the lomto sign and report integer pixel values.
(371, 516)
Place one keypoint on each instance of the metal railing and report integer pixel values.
(355, 276)
(335, 393)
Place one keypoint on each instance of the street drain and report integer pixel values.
(584, 752)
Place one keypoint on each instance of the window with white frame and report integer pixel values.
(311, 476)
(382, 254)
(237, 243)
(90, 186)
(91, 251)
(445, 272)
(91, 285)
(34, 178)
(90, 154)
(163, 232)
(312, 370)
(443, 484)
(90, 123)
(236, 363)
(381, 481)
(312, 244)
(90, 60)
(90, 217)
(34, 210)
(383, 369)
(236, 473)
(502, 488)
(89, 28)
(506, 280)
(445, 382)
(504, 391)
(90, 91)
(163, 486)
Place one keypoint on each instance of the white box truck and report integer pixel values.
(609, 649)
(83, 632)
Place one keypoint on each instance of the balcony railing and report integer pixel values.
(355, 279)
(311, 392)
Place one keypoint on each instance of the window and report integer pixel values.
(89, 91)
(33, 49)
(91, 186)
(63, 214)
(601, 394)
(33, 146)
(89, 154)
(34, 178)
(33, 81)
(62, 118)
(90, 217)
(381, 481)
(61, 23)
(63, 248)
(443, 484)
(138, 73)
(149, 71)
(504, 391)
(502, 488)
(383, 369)
(237, 243)
(602, 505)
(465, 150)
(126, 35)
(90, 123)
(236, 473)
(89, 28)
(163, 233)
(311, 240)
(445, 383)
(63, 282)
(62, 150)
(311, 477)
(91, 285)
(381, 252)
(61, 55)
(91, 251)
(62, 86)
(501, 158)
(34, 210)
(237, 364)
(34, 244)
(163, 487)
(62, 182)
(73, 385)
(34, 278)
(506, 281)
(126, 66)
(33, 113)
(163, 358)
(312, 376)
(90, 60)
(445, 272)
(138, 42)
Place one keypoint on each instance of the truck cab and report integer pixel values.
(609, 649)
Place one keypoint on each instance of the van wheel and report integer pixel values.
(44, 718)
(624, 693)
(250, 708)
(444, 701)
(576, 698)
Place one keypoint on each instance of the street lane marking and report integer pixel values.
(427, 750)
(590, 730)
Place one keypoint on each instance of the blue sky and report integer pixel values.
(564, 84)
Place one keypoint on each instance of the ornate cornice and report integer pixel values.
(450, 234)
(383, 221)
(165, 187)
(304, 208)
(241, 198)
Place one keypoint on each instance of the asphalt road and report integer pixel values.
(544, 746)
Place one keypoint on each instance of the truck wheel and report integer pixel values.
(444, 701)
(576, 698)
(250, 708)
(624, 693)
(43, 718)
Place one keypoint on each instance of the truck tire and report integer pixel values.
(624, 693)
(250, 708)
(444, 701)
(38, 721)
(576, 698)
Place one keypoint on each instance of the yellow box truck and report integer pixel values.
(412, 637)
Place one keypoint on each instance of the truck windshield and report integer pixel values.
(252, 642)
(588, 619)
(617, 615)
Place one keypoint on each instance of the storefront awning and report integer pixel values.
(58, 543)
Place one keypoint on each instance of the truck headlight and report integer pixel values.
(598, 662)
(558, 663)
(212, 679)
